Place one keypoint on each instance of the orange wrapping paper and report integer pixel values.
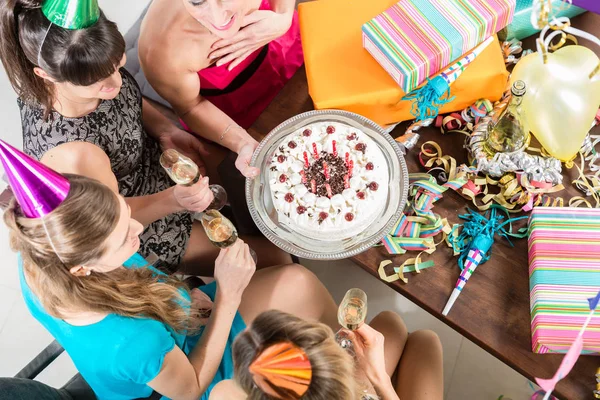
(342, 74)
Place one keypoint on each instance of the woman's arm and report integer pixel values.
(152, 207)
(384, 388)
(283, 6)
(188, 379)
(169, 136)
(156, 123)
(183, 377)
(89, 160)
(369, 348)
(179, 84)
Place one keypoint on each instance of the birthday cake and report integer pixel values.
(328, 181)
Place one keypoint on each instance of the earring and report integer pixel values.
(88, 272)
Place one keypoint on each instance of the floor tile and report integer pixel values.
(479, 375)
(21, 339)
(59, 372)
(8, 296)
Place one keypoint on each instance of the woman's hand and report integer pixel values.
(242, 162)
(258, 29)
(234, 268)
(368, 345)
(194, 198)
(185, 143)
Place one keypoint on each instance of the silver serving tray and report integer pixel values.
(258, 194)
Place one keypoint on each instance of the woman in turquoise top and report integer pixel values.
(128, 328)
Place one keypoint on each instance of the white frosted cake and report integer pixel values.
(328, 181)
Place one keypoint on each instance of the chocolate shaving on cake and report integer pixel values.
(337, 170)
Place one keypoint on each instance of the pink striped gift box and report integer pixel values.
(564, 271)
(415, 39)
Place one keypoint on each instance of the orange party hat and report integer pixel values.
(283, 371)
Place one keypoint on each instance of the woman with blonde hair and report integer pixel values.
(129, 328)
(281, 356)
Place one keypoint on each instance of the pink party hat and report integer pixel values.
(37, 188)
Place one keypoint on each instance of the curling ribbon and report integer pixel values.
(516, 192)
(416, 228)
(597, 391)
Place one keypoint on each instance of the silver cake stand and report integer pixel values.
(258, 193)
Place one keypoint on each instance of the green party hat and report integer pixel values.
(72, 14)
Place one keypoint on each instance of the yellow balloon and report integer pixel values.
(561, 100)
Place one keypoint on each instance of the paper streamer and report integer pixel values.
(416, 229)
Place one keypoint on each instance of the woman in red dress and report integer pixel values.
(219, 63)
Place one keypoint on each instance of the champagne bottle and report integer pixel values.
(509, 132)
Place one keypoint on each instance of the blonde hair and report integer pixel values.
(332, 368)
(79, 228)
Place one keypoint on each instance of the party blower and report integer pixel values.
(430, 97)
(475, 242)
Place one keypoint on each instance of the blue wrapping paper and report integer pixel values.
(521, 27)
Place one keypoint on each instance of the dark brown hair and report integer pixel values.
(332, 368)
(81, 56)
(79, 228)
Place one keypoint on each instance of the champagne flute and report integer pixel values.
(351, 316)
(219, 229)
(184, 171)
(352, 313)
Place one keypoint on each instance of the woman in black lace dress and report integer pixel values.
(82, 113)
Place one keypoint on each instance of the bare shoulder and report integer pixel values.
(171, 41)
(68, 155)
(227, 390)
(81, 158)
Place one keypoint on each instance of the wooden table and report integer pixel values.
(493, 311)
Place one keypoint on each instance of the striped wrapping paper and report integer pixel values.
(564, 271)
(415, 39)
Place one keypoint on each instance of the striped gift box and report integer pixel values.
(564, 271)
(415, 39)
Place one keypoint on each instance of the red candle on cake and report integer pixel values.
(306, 164)
(315, 152)
(326, 170)
(334, 148)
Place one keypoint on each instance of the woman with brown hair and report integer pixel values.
(398, 365)
(82, 113)
(129, 328)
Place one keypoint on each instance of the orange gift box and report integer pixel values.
(342, 75)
